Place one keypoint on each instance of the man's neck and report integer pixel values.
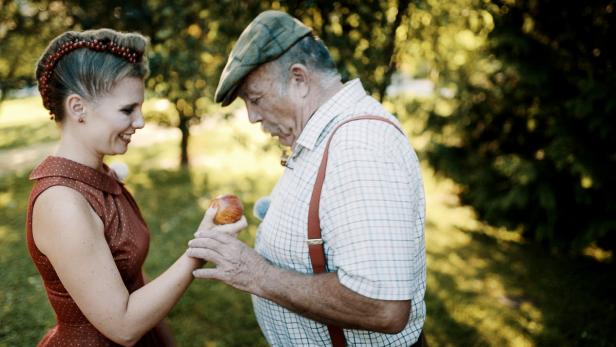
(321, 97)
(330, 91)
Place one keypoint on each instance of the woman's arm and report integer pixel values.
(163, 330)
(71, 235)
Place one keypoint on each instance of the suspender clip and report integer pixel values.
(312, 242)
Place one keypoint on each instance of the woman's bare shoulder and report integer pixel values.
(61, 214)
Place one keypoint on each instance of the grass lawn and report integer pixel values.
(486, 287)
(24, 122)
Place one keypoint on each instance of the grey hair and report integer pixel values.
(311, 52)
(89, 73)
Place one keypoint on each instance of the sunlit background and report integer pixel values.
(509, 104)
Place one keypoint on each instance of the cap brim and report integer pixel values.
(231, 95)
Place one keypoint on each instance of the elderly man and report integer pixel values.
(370, 208)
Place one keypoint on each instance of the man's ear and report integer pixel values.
(75, 106)
(300, 78)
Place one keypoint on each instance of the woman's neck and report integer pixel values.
(72, 149)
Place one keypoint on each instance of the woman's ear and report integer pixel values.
(75, 107)
(300, 78)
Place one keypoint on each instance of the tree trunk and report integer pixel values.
(390, 49)
(325, 9)
(2, 97)
(184, 127)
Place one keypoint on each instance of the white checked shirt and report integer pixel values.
(372, 220)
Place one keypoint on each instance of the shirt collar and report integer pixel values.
(62, 167)
(342, 101)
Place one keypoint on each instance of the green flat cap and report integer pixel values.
(269, 35)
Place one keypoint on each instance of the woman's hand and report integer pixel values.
(207, 224)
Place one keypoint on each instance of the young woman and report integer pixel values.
(85, 233)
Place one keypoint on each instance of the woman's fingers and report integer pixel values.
(225, 229)
(208, 219)
(233, 228)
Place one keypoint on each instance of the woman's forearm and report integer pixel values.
(150, 304)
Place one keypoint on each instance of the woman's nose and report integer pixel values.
(138, 122)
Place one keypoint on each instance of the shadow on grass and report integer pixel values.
(553, 301)
(441, 328)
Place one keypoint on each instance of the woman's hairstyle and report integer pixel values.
(89, 64)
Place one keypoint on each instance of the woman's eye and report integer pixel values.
(127, 111)
(255, 101)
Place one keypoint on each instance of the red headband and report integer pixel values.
(132, 56)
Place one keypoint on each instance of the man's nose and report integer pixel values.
(253, 116)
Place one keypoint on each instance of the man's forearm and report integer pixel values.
(319, 297)
(323, 298)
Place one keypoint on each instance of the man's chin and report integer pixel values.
(285, 140)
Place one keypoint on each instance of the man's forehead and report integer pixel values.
(244, 89)
(250, 83)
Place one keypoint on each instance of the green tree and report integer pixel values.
(25, 30)
(363, 36)
(189, 47)
(532, 138)
(190, 42)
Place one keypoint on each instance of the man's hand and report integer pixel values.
(316, 296)
(236, 264)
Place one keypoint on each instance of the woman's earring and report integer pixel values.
(81, 120)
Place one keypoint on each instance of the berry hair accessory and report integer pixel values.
(106, 45)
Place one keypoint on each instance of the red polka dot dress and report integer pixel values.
(125, 231)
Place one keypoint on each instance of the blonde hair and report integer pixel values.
(87, 72)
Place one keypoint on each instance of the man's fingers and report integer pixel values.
(205, 254)
(204, 242)
(214, 234)
(207, 274)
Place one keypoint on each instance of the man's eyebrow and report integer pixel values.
(242, 92)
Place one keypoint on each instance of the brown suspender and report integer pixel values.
(315, 242)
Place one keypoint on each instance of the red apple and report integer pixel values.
(229, 207)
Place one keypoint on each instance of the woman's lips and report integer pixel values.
(125, 137)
